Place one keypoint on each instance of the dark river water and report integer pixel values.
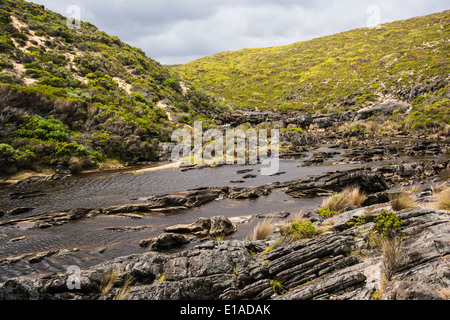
(96, 242)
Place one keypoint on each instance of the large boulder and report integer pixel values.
(367, 181)
(165, 241)
(214, 227)
(221, 226)
(385, 108)
(249, 193)
(199, 227)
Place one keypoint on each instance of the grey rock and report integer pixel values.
(386, 108)
(330, 266)
(404, 290)
(165, 241)
(19, 211)
(379, 197)
(200, 227)
(336, 283)
(275, 215)
(334, 244)
(249, 193)
(216, 226)
(221, 226)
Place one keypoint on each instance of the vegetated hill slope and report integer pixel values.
(80, 96)
(406, 60)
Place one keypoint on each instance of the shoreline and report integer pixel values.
(171, 165)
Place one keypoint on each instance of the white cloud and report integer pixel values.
(177, 31)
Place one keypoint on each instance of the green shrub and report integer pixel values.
(388, 224)
(68, 149)
(6, 44)
(54, 57)
(10, 157)
(37, 73)
(45, 129)
(276, 286)
(326, 213)
(296, 130)
(9, 78)
(301, 231)
(360, 220)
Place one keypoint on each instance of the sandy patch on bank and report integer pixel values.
(173, 165)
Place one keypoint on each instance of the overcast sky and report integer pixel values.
(179, 31)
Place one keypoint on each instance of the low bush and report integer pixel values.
(45, 129)
(326, 213)
(301, 231)
(388, 224)
(10, 157)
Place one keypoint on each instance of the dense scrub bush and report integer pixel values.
(12, 159)
(43, 129)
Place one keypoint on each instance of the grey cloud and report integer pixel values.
(178, 31)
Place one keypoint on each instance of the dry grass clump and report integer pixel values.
(349, 196)
(261, 231)
(123, 292)
(336, 203)
(393, 255)
(401, 201)
(436, 187)
(356, 196)
(108, 281)
(443, 200)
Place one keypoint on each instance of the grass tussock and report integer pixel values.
(262, 230)
(393, 255)
(108, 281)
(402, 201)
(123, 292)
(351, 196)
(356, 196)
(443, 200)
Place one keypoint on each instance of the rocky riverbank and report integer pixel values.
(335, 265)
(345, 259)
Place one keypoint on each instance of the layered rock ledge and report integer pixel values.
(335, 265)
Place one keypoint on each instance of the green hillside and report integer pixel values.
(406, 60)
(79, 97)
